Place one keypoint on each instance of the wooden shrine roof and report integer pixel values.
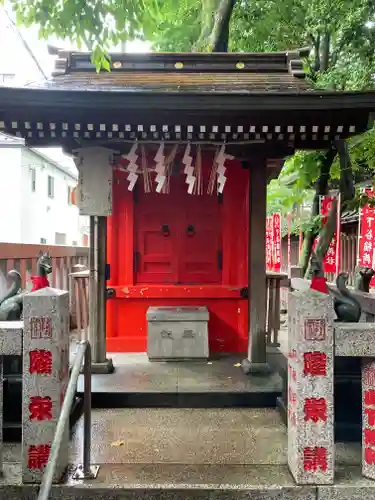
(259, 101)
(179, 73)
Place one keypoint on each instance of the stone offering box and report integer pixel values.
(177, 333)
(314, 339)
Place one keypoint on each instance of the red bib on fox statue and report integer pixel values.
(39, 282)
(319, 284)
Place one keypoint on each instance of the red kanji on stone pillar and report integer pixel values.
(370, 398)
(315, 363)
(370, 456)
(370, 413)
(38, 456)
(315, 409)
(40, 408)
(369, 435)
(315, 459)
(41, 362)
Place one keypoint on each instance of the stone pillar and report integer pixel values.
(310, 387)
(368, 418)
(45, 379)
(10, 345)
(256, 362)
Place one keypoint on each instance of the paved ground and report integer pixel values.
(134, 373)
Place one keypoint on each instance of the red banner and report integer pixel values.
(332, 257)
(289, 242)
(269, 243)
(276, 222)
(366, 250)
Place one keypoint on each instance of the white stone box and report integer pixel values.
(177, 333)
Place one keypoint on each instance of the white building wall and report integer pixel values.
(44, 216)
(10, 195)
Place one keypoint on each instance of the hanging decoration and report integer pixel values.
(366, 243)
(198, 185)
(213, 174)
(147, 185)
(132, 168)
(168, 169)
(187, 160)
(221, 169)
(160, 168)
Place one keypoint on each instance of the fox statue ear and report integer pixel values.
(40, 253)
(47, 253)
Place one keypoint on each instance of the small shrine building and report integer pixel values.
(174, 153)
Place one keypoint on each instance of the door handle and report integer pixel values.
(165, 230)
(190, 231)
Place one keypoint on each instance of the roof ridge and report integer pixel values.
(69, 61)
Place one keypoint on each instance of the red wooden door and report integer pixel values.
(155, 239)
(200, 240)
(178, 237)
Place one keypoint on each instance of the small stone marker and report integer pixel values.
(310, 387)
(368, 418)
(45, 378)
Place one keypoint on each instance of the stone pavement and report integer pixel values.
(161, 453)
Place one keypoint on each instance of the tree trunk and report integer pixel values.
(325, 49)
(220, 32)
(321, 188)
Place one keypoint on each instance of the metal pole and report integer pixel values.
(47, 479)
(93, 286)
(87, 414)
(101, 250)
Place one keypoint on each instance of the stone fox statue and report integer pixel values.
(347, 307)
(11, 304)
(363, 279)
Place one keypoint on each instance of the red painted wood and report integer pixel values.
(157, 249)
(226, 228)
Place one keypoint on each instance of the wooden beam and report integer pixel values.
(256, 362)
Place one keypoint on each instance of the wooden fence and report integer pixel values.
(348, 256)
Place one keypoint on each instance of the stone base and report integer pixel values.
(105, 368)
(255, 368)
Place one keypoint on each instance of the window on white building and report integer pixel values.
(51, 186)
(33, 180)
(6, 78)
(60, 239)
(43, 241)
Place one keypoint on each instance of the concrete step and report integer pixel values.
(200, 482)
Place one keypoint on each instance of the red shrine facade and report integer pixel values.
(140, 134)
(179, 249)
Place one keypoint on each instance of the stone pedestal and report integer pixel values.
(368, 419)
(310, 387)
(177, 333)
(45, 379)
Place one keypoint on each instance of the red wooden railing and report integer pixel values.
(23, 258)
